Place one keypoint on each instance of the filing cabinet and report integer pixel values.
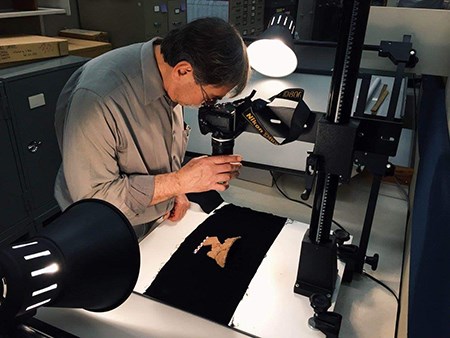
(28, 146)
(246, 15)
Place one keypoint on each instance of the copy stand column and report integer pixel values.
(333, 151)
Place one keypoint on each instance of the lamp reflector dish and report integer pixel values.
(271, 57)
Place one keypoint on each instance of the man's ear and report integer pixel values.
(182, 69)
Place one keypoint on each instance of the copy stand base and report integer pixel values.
(317, 271)
(323, 320)
(328, 323)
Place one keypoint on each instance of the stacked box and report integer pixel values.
(30, 47)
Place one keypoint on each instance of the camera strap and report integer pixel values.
(260, 112)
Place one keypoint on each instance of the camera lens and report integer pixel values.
(222, 147)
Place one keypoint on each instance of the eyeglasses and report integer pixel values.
(207, 101)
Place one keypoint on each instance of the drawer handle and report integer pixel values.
(33, 146)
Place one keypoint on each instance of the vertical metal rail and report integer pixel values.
(318, 257)
(342, 91)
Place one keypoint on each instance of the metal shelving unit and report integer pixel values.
(45, 7)
(6, 14)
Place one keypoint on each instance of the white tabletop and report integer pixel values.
(269, 308)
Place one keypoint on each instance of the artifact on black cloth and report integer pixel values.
(219, 251)
(191, 283)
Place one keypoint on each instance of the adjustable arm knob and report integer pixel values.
(309, 181)
(310, 177)
(372, 261)
(341, 236)
(319, 302)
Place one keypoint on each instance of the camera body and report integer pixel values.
(225, 122)
(222, 120)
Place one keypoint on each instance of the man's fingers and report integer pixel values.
(219, 159)
(221, 186)
(228, 167)
(176, 215)
(223, 177)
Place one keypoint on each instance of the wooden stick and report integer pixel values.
(383, 94)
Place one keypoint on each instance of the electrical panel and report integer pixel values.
(131, 21)
(28, 145)
(246, 15)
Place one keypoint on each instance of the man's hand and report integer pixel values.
(200, 174)
(209, 173)
(180, 207)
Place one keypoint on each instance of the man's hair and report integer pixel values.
(215, 50)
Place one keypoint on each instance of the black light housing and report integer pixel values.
(273, 53)
(87, 258)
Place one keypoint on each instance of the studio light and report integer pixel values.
(87, 258)
(273, 53)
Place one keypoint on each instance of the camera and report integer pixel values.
(225, 122)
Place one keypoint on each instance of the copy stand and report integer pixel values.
(367, 140)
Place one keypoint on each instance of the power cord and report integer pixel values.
(383, 285)
(275, 180)
(408, 214)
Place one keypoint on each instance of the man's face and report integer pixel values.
(196, 94)
(187, 92)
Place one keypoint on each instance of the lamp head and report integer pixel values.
(86, 258)
(273, 53)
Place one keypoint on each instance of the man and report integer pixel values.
(120, 126)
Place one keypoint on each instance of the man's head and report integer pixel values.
(209, 59)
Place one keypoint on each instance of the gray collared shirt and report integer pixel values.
(117, 129)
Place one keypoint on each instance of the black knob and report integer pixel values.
(341, 236)
(319, 302)
(372, 261)
(305, 194)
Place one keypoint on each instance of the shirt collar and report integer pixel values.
(153, 83)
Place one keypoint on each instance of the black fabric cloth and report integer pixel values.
(208, 200)
(197, 284)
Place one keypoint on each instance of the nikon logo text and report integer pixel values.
(293, 94)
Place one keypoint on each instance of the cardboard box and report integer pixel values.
(31, 47)
(84, 34)
(87, 48)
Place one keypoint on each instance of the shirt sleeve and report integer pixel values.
(89, 153)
